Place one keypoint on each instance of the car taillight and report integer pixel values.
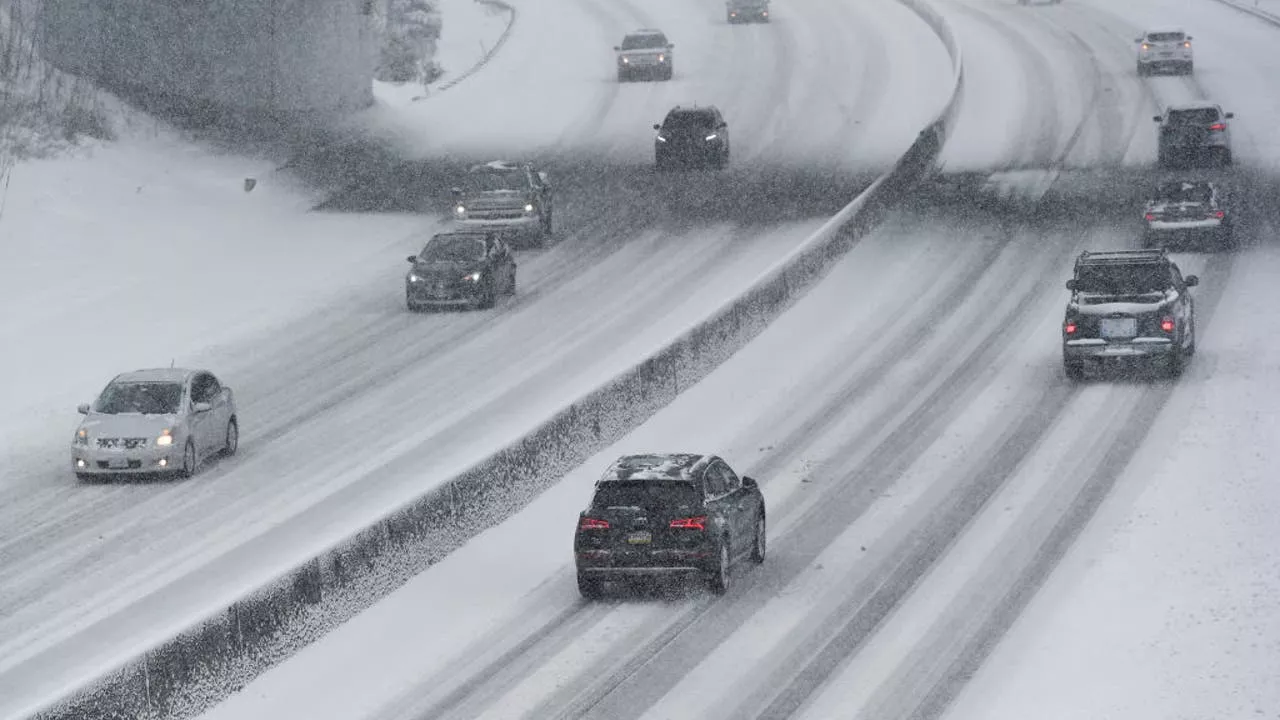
(1166, 324)
(593, 524)
(1070, 328)
(1219, 214)
(1218, 127)
(691, 523)
(1151, 216)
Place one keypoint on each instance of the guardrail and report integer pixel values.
(1268, 12)
(224, 652)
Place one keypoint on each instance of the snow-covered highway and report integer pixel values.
(954, 529)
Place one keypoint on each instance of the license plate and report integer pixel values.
(640, 537)
(118, 463)
(1119, 327)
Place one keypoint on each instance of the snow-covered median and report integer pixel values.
(470, 30)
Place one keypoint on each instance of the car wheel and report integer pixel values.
(1143, 70)
(548, 224)
(1177, 362)
(1191, 344)
(233, 438)
(511, 285)
(490, 296)
(1074, 369)
(719, 579)
(84, 477)
(622, 76)
(188, 461)
(590, 588)
(761, 544)
(1224, 158)
(411, 305)
(669, 72)
(1189, 69)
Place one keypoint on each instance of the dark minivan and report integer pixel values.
(666, 515)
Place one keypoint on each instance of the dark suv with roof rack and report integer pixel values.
(663, 515)
(1128, 305)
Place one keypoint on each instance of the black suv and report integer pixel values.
(1194, 132)
(696, 135)
(1128, 305)
(460, 268)
(665, 515)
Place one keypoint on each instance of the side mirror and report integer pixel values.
(1156, 118)
(1229, 115)
(1192, 280)
(657, 126)
(749, 482)
(1190, 37)
(617, 48)
(412, 258)
(83, 408)
(1071, 284)
(670, 45)
(1137, 39)
(201, 407)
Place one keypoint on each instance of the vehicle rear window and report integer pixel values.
(1166, 37)
(1122, 279)
(147, 398)
(644, 42)
(1197, 116)
(1186, 192)
(647, 494)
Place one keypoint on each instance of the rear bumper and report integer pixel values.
(1174, 226)
(1086, 348)
(608, 564)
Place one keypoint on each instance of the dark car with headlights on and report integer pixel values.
(1187, 209)
(1128, 305)
(460, 269)
(692, 136)
(1194, 133)
(665, 515)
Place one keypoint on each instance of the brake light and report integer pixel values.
(588, 523)
(1218, 127)
(1070, 328)
(1219, 214)
(691, 523)
(1167, 324)
(1151, 216)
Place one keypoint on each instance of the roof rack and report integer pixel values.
(1121, 256)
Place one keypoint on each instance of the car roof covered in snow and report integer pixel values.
(1160, 29)
(1195, 105)
(656, 466)
(496, 166)
(156, 375)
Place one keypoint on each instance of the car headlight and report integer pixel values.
(662, 58)
(528, 207)
(460, 210)
(414, 278)
(624, 61)
(662, 138)
(82, 437)
(472, 277)
(712, 136)
(165, 439)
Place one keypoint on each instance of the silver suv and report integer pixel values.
(1194, 132)
(645, 52)
(1165, 49)
(509, 197)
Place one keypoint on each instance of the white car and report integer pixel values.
(155, 421)
(645, 52)
(1168, 48)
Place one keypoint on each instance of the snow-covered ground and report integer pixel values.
(846, 85)
(920, 485)
(151, 251)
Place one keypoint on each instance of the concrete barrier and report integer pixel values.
(223, 653)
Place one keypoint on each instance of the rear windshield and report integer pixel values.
(647, 494)
(1122, 279)
(644, 42)
(1197, 116)
(1186, 192)
(1166, 37)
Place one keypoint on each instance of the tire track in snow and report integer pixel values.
(659, 665)
(1067, 526)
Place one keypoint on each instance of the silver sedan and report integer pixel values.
(155, 421)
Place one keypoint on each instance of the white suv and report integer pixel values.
(1160, 49)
